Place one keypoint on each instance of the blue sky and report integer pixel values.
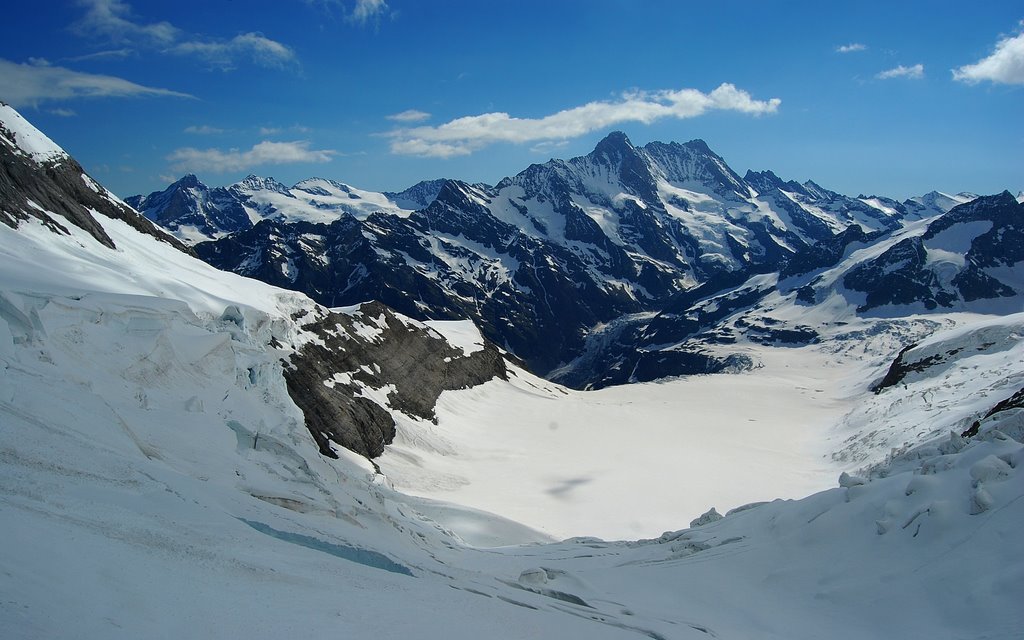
(890, 98)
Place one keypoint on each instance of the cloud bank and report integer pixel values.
(1005, 65)
(465, 135)
(38, 82)
(262, 153)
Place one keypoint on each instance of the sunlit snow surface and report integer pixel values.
(28, 140)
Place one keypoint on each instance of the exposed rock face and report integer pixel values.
(371, 362)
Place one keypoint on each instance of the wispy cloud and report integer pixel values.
(853, 47)
(273, 131)
(367, 10)
(33, 84)
(113, 21)
(262, 153)
(203, 130)
(1005, 64)
(549, 146)
(102, 55)
(914, 72)
(63, 113)
(463, 136)
(409, 115)
(254, 47)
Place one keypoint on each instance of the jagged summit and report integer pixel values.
(615, 144)
(190, 180)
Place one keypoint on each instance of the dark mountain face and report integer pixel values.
(963, 256)
(188, 203)
(418, 196)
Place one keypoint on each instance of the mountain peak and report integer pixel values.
(698, 144)
(25, 139)
(190, 181)
(615, 143)
(763, 181)
(256, 183)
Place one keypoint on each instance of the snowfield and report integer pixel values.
(158, 481)
(624, 462)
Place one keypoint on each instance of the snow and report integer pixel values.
(128, 517)
(574, 463)
(958, 238)
(26, 139)
(461, 334)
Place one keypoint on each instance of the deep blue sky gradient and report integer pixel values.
(838, 124)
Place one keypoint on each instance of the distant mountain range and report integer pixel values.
(598, 270)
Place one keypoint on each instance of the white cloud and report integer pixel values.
(463, 136)
(33, 84)
(851, 48)
(102, 55)
(1005, 64)
(273, 131)
(366, 10)
(224, 54)
(63, 113)
(203, 130)
(266, 152)
(915, 72)
(112, 20)
(409, 115)
(548, 146)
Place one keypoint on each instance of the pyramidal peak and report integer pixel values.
(615, 145)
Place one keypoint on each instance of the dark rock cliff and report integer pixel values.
(339, 381)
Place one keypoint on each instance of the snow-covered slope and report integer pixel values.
(24, 139)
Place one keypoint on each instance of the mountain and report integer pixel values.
(551, 262)
(192, 211)
(170, 459)
(195, 212)
(418, 196)
(40, 180)
(415, 362)
(965, 255)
